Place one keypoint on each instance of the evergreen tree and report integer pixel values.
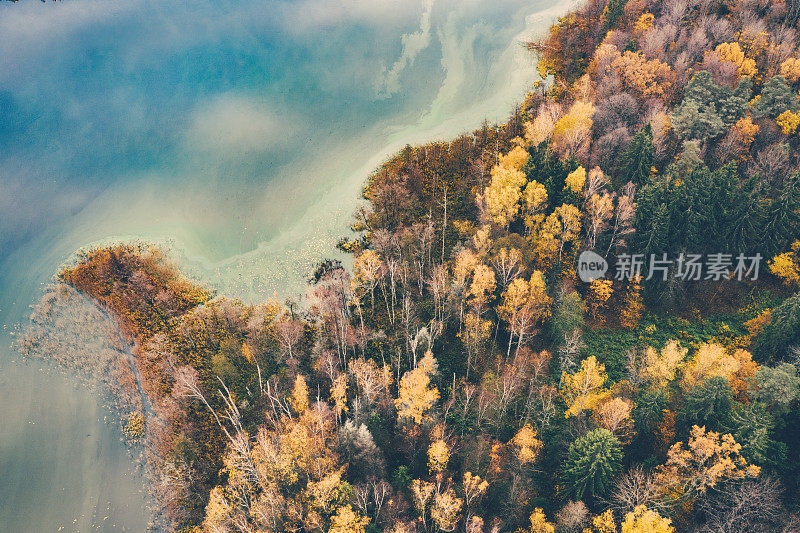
(782, 218)
(568, 315)
(708, 405)
(688, 160)
(782, 331)
(654, 216)
(776, 387)
(752, 425)
(733, 104)
(637, 160)
(697, 116)
(776, 97)
(545, 167)
(592, 462)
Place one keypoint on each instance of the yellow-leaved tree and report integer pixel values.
(790, 69)
(711, 360)
(600, 291)
(300, 395)
(539, 523)
(524, 305)
(732, 52)
(604, 522)
(421, 492)
(474, 489)
(615, 416)
(367, 269)
(644, 520)
(650, 78)
(347, 521)
(438, 456)
(575, 180)
(707, 459)
(416, 396)
(481, 289)
(584, 389)
(785, 266)
(561, 227)
(503, 194)
(574, 128)
(535, 196)
(788, 122)
(445, 509)
(526, 445)
(660, 366)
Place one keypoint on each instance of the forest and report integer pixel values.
(458, 374)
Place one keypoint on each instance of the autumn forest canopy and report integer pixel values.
(461, 375)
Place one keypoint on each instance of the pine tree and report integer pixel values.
(782, 218)
(710, 404)
(776, 97)
(592, 462)
(697, 116)
(637, 160)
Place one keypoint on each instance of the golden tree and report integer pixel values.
(733, 53)
(574, 128)
(445, 509)
(466, 261)
(421, 492)
(599, 210)
(785, 266)
(474, 489)
(604, 523)
(562, 226)
(533, 310)
(788, 122)
(503, 194)
(575, 180)
(643, 520)
(790, 69)
(645, 22)
(438, 456)
(584, 389)
(711, 360)
(539, 523)
(600, 291)
(615, 416)
(367, 270)
(651, 78)
(416, 396)
(347, 521)
(535, 196)
(660, 367)
(707, 459)
(482, 287)
(526, 445)
(299, 397)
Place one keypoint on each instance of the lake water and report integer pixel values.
(238, 134)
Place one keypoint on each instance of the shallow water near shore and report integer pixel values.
(236, 133)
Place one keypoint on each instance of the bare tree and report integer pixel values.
(637, 487)
(755, 506)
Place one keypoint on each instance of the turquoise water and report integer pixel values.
(236, 133)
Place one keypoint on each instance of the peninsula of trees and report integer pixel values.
(460, 376)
